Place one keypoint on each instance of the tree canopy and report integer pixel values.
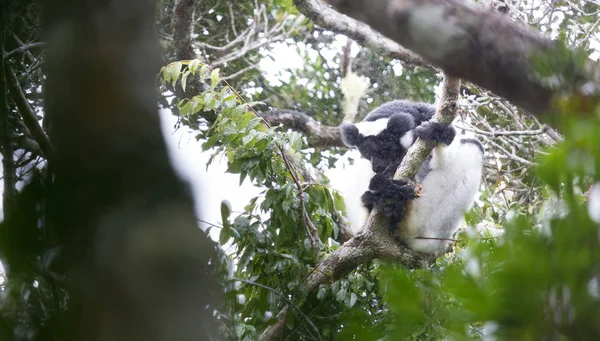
(99, 238)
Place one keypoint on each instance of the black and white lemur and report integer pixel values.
(450, 176)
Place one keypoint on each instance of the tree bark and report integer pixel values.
(318, 135)
(136, 260)
(480, 46)
(326, 17)
(182, 22)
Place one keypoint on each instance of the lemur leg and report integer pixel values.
(390, 197)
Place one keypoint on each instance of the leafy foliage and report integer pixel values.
(272, 238)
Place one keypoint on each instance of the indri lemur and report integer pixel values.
(449, 177)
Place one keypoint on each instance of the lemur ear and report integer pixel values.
(350, 134)
(400, 123)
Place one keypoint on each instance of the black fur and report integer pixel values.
(385, 152)
(475, 142)
(435, 131)
(400, 123)
(420, 112)
(390, 197)
(350, 135)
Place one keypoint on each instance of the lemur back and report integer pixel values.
(450, 181)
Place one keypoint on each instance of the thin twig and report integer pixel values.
(22, 49)
(27, 113)
(504, 133)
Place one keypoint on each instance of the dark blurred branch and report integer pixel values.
(137, 264)
(29, 117)
(182, 24)
(21, 49)
(25, 143)
(329, 19)
(8, 166)
(480, 46)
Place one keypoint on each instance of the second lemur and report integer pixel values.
(450, 176)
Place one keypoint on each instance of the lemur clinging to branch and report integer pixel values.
(449, 177)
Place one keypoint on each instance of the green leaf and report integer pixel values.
(322, 291)
(175, 71)
(186, 109)
(234, 167)
(350, 301)
(214, 77)
(203, 69)
(184, 79)
(193, 66)
(211, 142)
(225, 235)
(341, 295)
(225, 212)
(295, 141)
(166, 75)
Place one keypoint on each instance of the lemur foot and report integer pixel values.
(436, 132)
(390, 197)
(418, 190)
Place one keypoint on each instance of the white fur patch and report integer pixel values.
(407, 139)
(449, 190)
(358, 176)
(372, 128)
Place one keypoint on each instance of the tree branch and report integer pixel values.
(181, 21)
(29, 117)
(445, 113)
(318, 135)
(479, 46)
(329, 19)
(21, 49)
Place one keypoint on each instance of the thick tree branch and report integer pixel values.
(29, 117)
(8, 165)
(277, 328)
(326, 17)
(318, 135)
(182, 21)
(479, 46)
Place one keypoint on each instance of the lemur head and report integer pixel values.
(386, 133)
(383, 141)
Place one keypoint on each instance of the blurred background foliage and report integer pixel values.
(525, 267)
